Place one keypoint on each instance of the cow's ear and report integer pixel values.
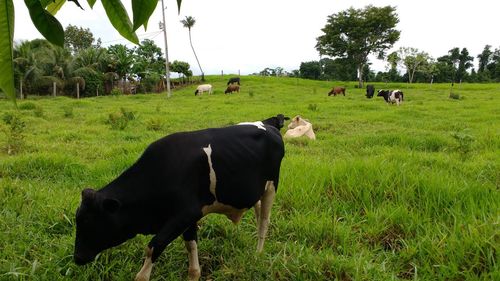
(111, 205)
(286, 118)
(88, 195)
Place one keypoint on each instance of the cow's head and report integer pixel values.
(97, 226)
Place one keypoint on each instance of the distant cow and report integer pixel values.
(178, 180)
(337, 91)
(300, 127)
(370, 90)
(234, 80)
(203, 88)
(232, 88)
(395, 96)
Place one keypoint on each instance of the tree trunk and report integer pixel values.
(196, 57)
(360, 75)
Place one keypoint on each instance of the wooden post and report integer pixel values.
(222, 73)
(54, 89)
(97, 91)
(78, 90)
(21, 88)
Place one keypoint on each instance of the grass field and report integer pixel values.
(384, 193)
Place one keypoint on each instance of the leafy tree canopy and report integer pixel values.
(77, 38)
(356, 33)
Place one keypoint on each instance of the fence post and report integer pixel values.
(78, 90)
(54, 89)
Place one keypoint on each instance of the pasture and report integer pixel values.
(383, 193)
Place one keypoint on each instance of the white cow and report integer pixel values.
(300, 127)
(203, 88)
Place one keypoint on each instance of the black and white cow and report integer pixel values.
(178, 180)
(370, 90)
(395, 96)
(234, 80)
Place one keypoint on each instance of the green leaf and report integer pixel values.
(91, 3)
(6, 41)
(179, 6)
(142, 11)
(46, 24)
(55, 6)
(119, 19)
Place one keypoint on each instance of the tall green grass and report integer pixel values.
(384, 193)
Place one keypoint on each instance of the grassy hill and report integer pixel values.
(384, 193)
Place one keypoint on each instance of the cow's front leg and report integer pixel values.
(265, 214)
(172, 229)
(190, 238)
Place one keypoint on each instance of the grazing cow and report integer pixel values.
(395, 96)
(178, 180)
(232, 88)
(337, 91)
(203, 88)
(233, 80)
(370, 90)
(300, 127)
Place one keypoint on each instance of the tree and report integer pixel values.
(464, 63)
(42, 15)
(310, 70)
(148, 58)
(413, 60)
(188, 23)
(356, 33)
(122, 60)
(181, 67)
(342, 69)
(77, 38)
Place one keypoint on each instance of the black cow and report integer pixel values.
(234, 80)
(179, 179)
(370, 90)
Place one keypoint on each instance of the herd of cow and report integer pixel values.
(395, 96)
(233, 85)
(185, 176)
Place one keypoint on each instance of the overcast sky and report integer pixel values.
(250, 35)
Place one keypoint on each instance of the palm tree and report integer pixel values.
(27, 66)
(188, 23)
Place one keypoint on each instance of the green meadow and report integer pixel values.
(383, 193)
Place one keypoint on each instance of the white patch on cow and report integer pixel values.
(145, 272)
(258, 124)
(213, 178)
(194, 271)
(231, 212)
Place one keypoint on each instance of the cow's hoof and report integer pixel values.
(194, 274)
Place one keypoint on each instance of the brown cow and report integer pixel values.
(337, 91)
(232, 88)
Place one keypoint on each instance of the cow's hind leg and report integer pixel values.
(190, 238)
(265, 213)
(257, 213)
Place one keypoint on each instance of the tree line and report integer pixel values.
(84, 64)
(350, 36)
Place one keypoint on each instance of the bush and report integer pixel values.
(465, 141)
(27, 106)
(117, 121)
(130, 115)
(14, 133)
(154, 124)
(68, 112)
(116, 92)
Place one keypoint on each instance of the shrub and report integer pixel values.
(116, 92)
(130, 115)
(117, 121)
(313, 107)
(464, 142)
(154, 124)
(27, 106)
(68, 112)
(38, 111)
(14, 133)
(454, 96)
